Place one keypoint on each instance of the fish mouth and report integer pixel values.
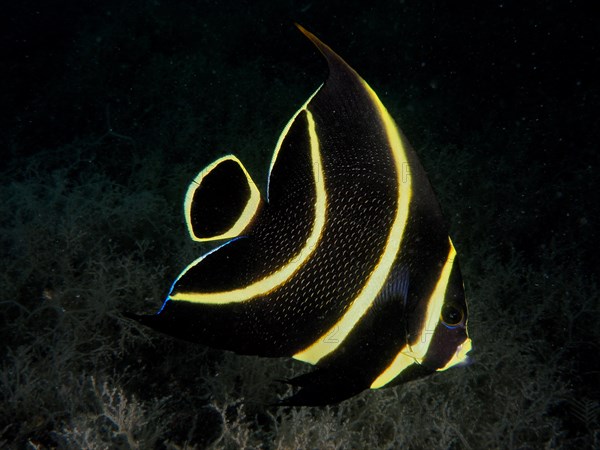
(463, 354)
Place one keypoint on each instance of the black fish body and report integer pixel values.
(346, 264)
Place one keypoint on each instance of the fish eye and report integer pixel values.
(452, 315)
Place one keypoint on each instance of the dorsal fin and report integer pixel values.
(221, 201)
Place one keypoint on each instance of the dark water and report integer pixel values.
(110, 108)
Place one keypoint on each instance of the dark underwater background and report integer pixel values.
(108, 111)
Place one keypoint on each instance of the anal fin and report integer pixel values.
(323, 386)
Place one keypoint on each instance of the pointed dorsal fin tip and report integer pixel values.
(323, 48)
(332, 58)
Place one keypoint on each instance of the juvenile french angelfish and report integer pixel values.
(346, 264)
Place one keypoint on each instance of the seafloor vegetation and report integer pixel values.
(140, 99)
